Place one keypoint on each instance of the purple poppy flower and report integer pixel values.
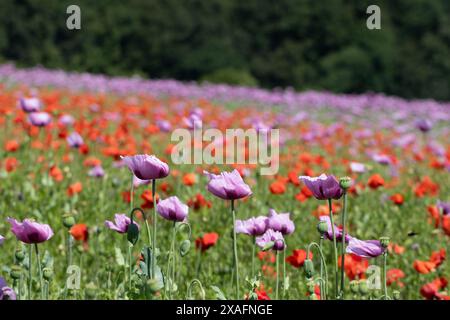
(337, 231)
(66, 120)
(172, 209)
(75, 140)
(423, 125)
(323, 187)
(120, 224)
(280, 222)
(228, 185)
(138, 182)
(365, 248)
(357, 167)
(381, 159)
(2, 238)
(30, 104)
(252, 227)
(6, 293)
(30, 231)
(164, 125)
(193, 121)
(271, 236)
(445, 206)
(96, 172)
(146, 167)
(39, 119)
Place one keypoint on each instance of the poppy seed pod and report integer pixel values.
(47, 273)
(19, 254)
(354, 286)
(132, 233)
(90, 290)
(16, 272)
(363, 288)
(68, 220)
(384, 242)
(396, 295)
(309, 268)
(345, 182)
(322, 227)
(185, 247)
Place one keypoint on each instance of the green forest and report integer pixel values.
(304, 44)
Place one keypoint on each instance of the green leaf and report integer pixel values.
(120, 260)
(219, 293)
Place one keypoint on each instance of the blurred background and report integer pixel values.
(304, 44)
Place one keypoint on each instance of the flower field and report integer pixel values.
(93, 206)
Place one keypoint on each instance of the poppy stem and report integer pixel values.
(130, 262)
(322, 260)
(19, 290)
(322, 293)
(30, 279)
(344, 211)
(278, 275)
(154, 229)
(236, 262)
(336, 275)
(132, 192)
(253, 256)
(384, 275)
(41, 283)
(284, 272)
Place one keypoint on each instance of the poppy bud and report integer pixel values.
(354, 286)
(132, 233)
(16, 272)
(47, 273)
(309, 268)
(396, 295)
(345, 182)
(384, 242)
(68, 221)
(363, 288)
(185, 247)
(90, 291)
(322, 227)
(19, 254)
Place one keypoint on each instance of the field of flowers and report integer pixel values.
(92, 206)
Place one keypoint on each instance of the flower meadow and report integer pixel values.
(92, 206)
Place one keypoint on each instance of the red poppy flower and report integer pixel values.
(375, 181)
(431, 290)
(277, 187)
(394, 276)
(80, 233)
(397, 199)
(424, 267)
(74, 189)
(208, 240)
(189, 179)
(11, 146)
(355, 266)
(56, 174)
(298, 257)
